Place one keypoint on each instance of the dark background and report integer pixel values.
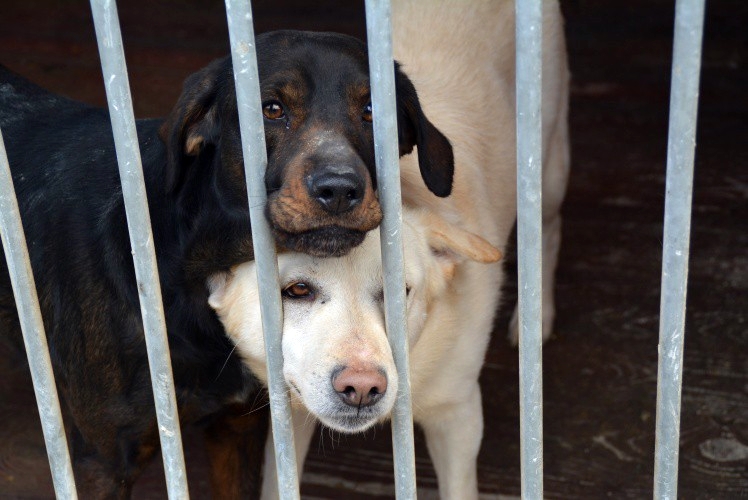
(600, 367)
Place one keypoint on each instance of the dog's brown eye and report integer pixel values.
(366, 116)
(273, 110)
(297, 291)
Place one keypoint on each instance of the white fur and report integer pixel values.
(460, 57)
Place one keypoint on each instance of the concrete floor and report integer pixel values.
(600, 367)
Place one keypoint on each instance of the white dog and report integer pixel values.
(337, 359)
(460, 56)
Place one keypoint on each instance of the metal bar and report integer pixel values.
(382, 75)
(244, 59)
(684, 95)
(529, 243)
(113, 66)
(34, 338)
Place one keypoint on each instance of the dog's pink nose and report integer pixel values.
(360, 387)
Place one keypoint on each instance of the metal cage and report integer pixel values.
(681, 143)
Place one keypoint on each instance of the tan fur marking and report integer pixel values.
(193, 144)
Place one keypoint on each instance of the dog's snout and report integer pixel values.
(336, 191)
(359, 387)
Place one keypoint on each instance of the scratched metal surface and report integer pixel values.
(600, 366)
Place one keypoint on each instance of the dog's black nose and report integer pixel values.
(336, 191)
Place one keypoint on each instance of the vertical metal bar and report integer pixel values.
(689, 23)
(113, 66)
(529, 243)
(30, 317)
(382, 73)
(244, 59)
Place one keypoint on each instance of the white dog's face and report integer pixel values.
(337, 358)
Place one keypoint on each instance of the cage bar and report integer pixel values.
(34, 338)
(529, 243)
(244, 59)
(684, 95)
(111, 53)
(382, 75)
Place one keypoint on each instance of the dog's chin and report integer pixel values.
(328, 241)
(349, 424)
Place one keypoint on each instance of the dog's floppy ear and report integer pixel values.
(194, 122)
(435, 156)
(452, 244)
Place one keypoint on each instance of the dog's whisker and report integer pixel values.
(331, 433)
(321, 444)
(225, 363)
(416, 406)
(339, 437)
(261, 393)
(254, 410)
(309, 419)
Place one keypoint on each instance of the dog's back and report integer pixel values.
(28, 114)
(65, 176)
(61, 153)
(21, 100)
(461, 58)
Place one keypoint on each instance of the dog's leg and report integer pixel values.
(551, 247)
(304, 426)
(235, 443)
(453, 436)
(555, 178)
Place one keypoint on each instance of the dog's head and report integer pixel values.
(337, 359)
(318, 130)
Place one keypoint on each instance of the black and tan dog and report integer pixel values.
(316, 102)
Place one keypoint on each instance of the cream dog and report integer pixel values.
(460, 56)
(337, 359)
